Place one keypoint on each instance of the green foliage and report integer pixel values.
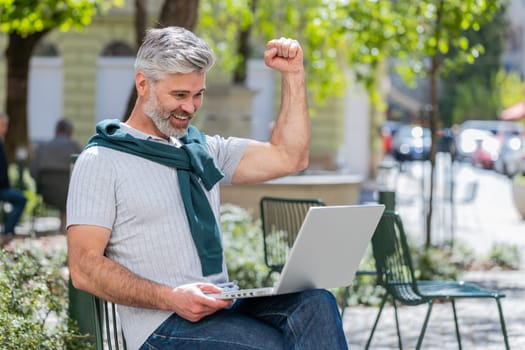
(314, 26)
(33, 312)
(243, 246)
(475, 100)
(475, 91)
(415, 31)
(364, 289)
(27, 185)
(24, 182)
(231, 17)
(505, 256)
(510, 88)
(436, 263)
(30, 16)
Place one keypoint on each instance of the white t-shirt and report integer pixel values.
(140, 201)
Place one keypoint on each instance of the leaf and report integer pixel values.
(28, 17)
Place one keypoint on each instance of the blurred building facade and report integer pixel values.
(514, 56)
(88, 75)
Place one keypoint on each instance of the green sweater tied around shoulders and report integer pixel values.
(192, 162)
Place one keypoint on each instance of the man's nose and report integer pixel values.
(188, 107)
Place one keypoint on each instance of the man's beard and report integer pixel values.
(160, 118)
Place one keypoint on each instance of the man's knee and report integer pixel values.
(320, 297)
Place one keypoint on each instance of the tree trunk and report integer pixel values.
(433, 119)
(18, 55)
(434, 123)
(243, 50)
(182, 13)
(141, 17)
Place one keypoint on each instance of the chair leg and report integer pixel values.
(399, 342)
(458, 336)
(425, 323)
(268, 276)
(502, 322)
(376, 321)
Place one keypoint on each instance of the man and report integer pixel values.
(143, 208)
(51, 164)
(7, 193)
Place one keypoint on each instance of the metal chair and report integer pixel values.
(281, 220)
(396, 274)
(96, 318)
(52, 185)
(108, 332)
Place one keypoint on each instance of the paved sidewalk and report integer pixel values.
(489, 219)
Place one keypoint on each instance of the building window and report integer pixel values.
(45, 49)
(117, 49)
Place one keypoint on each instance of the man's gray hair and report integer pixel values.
(173, 50)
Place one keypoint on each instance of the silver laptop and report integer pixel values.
(327, 251)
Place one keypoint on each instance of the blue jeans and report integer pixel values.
(18, 201)
(307, 320)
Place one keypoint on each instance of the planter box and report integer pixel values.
(227, 111)
(332, 189)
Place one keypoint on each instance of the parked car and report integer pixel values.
(511, 159)
(472, 132)
(411, 142)
(388, 129)
(482, 146)
(486, 152)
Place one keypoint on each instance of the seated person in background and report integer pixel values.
(50, 167)
(7, 193)
(143, 209)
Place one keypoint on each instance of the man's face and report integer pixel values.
(173, 101)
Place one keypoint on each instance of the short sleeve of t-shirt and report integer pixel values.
(227, 153)
(91, 197)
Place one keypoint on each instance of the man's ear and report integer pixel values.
(141, 84)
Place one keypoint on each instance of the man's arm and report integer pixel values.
(91, 271)
(288, 149)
